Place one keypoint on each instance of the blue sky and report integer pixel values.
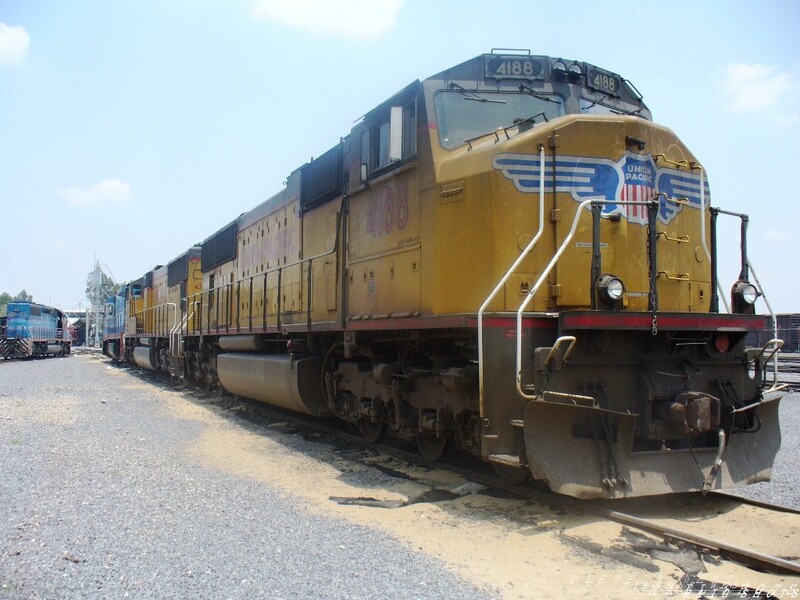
(131, 130)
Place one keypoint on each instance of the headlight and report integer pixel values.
(611, 288)
(575, 74)
(746, 292)
(744, 295)
(558, 70)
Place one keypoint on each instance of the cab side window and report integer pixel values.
(390, 138)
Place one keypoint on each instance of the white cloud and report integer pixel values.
(108, 190)
(352, 19)
(14, 42)
(757, 87)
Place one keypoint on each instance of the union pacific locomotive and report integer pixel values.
(508, 258)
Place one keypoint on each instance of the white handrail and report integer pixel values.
(774, 355)
(156, 328)
(176, 335)
(536, 287)
(506, 277)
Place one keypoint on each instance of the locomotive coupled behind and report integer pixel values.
(509, 258)
(34, 330)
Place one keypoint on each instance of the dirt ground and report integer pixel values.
(523, 549)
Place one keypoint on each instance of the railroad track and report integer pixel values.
(685, 520)
(788, 371)
(711, 511)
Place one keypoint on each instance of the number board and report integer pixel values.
(603, 81)
(512, 67)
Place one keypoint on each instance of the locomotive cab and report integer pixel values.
(597, 233)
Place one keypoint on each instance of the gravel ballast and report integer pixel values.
(784, 487)
(103, 496)
(100, 499)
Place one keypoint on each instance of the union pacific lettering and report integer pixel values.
(641, 174)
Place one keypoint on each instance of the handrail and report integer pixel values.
(703, 241)
(35, 333)
(196, 314)
(156, 328)
(506, 277)
(279, 269)
(578, 213)
(177, 333)
(774, 327)
(535, 288)
(773, 345)
(747, 267)
(571, 339)
(175, 311)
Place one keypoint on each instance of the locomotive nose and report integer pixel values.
(693, 413)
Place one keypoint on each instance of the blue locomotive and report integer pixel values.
(34, 330)
(114, 324)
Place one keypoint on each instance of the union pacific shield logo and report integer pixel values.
(639, 185)
(633, 177)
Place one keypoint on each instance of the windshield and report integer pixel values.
(462, 115)
(601, 106)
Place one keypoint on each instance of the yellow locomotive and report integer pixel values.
(508, 258)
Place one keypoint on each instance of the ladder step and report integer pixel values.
(505, 459)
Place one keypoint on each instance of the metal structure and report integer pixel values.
(100, 286)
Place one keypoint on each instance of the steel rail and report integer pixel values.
(754, 558)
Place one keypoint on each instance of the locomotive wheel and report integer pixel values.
(431, 447)
(373, 431)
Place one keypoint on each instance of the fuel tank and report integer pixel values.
(278, 379)
(141, 356)
(242, 343)
(113, 350)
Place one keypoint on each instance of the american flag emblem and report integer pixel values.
(640, 181)
(636, 213)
